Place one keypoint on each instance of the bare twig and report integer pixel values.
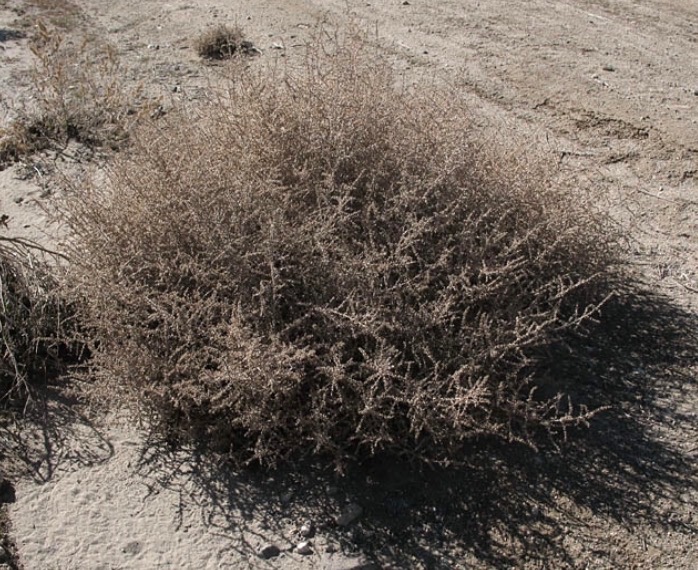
(641, 191)
(687, 287)
(31, 245)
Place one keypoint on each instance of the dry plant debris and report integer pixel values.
(79, 95)
(224, 42)
(33, 319)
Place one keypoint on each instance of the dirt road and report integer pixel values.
(610, 91)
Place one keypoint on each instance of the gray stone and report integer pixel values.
(269, 551)
(304, 548)
(307, 530)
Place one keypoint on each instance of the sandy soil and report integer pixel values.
(610, 89)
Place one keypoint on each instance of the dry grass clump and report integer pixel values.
(325, 263)
(223, 42)
(78, 95)
(62, 14)
(33, 319)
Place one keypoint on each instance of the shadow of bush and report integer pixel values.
(53, 434)
(511, 506)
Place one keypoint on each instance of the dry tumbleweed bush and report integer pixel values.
(223, 42)
(322, 262)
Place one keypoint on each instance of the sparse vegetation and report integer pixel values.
(223, 42)
(61, 14)
(33, 319)
(79, 95)
(325, 263)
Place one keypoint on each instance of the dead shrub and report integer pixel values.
(33, 319)
(79, 95)
(322, 262)
(62, 14)
(223, 42)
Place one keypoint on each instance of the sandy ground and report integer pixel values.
(610, 89)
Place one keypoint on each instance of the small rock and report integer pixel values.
(304, 548)
(405, 3)
(153, 46)
(277, 45)
(269, 551)
(350, 513)
(286, 498)
(307, 530)
(608, 68)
